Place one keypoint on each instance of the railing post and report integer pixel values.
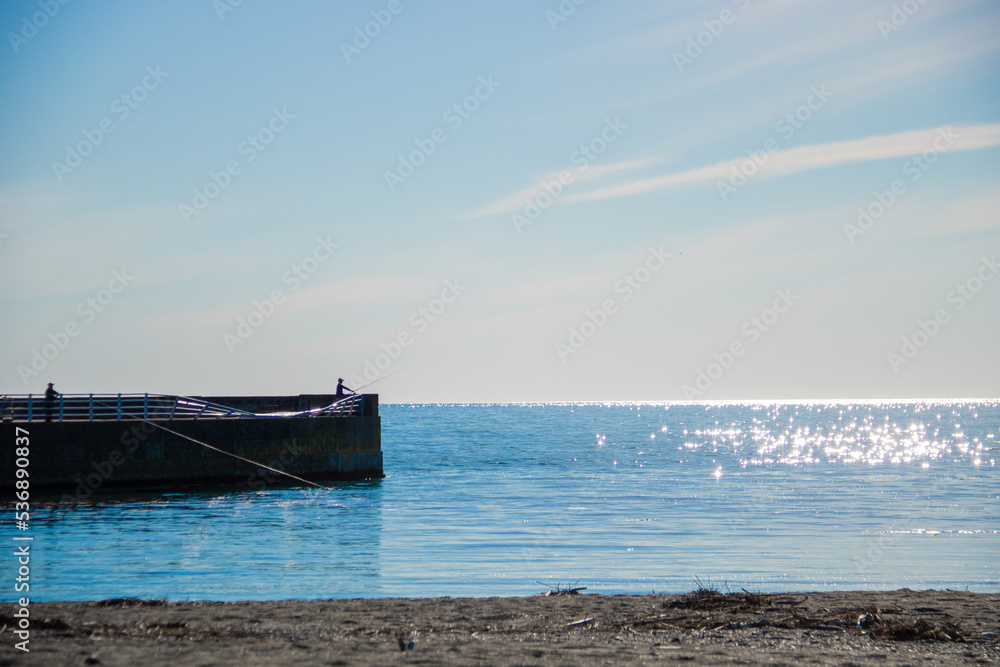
(60, 407)
(29, 407)
(90, 412)
(119, 407)
(145, 406)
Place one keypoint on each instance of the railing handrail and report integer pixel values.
(104, 407)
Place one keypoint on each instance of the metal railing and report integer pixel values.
(353, 405)
(104, 407)
(345, 407)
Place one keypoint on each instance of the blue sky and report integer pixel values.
(502, 201)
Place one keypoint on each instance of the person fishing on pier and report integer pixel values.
(342, 391)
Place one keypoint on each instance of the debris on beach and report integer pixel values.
(571, 589)
(406, 642)
(709, 609)
(711, 599)
(129, 602)
(880, 627)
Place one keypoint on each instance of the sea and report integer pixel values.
(521, 498)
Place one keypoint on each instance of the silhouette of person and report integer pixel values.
(50, 399)
(342, 391)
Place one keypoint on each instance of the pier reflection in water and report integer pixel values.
(271, 544)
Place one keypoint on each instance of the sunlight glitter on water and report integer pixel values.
(856, 439)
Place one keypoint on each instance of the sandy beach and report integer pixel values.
(704, 627)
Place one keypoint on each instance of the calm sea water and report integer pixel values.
(509, 499)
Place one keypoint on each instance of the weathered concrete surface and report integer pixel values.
(81, 457)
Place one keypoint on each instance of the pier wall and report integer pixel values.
(80, 457)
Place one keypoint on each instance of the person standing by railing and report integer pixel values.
(50, 400)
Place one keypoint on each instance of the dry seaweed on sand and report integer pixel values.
(711, 599)
(707, 608)
(129, 602)
(880, 627)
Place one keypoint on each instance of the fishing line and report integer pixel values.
(379, 379)
(222, 451)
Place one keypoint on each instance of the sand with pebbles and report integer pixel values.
(832, 628)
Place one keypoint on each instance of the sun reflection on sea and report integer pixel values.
(809, 437)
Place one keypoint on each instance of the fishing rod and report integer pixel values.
(352, 395)
(379, 379)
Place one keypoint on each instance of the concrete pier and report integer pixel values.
(79, 457)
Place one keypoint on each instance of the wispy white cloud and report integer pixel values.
(518, 200)
(805, 158)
